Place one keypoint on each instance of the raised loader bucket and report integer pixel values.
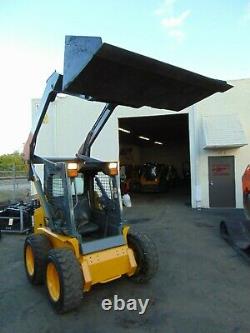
(110, 74)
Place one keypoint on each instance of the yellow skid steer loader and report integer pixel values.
(79, 236)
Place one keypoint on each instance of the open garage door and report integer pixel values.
(154, 157)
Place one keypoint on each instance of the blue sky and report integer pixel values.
(208, 37)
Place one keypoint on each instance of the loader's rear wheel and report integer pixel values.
(146, 256)
(36, 248)
(64, 280)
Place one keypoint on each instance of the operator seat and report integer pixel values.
(82, 213)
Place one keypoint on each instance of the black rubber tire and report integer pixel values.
(146, 256)
(70, 278)
(40, 246)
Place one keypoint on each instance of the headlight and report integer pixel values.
(72, 169)
(113, 168)
(112, 165)
(72, 166)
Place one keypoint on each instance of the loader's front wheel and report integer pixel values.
(64, 280)
(146, 256)
(36, 248)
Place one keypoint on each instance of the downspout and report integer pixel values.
(194, 158)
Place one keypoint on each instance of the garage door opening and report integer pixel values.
(154, 157)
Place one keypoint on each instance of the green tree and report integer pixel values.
(16, 158)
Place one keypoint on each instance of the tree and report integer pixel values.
(16, 158)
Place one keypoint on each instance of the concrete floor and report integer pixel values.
(202, 285)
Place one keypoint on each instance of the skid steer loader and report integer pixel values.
(79, 237)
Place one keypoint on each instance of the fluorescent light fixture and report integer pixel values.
(124, 130)
(144, 138)
(158, 143)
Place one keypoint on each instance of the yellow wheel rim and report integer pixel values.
(29, 258)
(53, 282)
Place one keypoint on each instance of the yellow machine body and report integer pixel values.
(39, 219)
(97, 267)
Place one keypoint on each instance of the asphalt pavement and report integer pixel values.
(202, 285)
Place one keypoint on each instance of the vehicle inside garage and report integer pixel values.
(154, 156)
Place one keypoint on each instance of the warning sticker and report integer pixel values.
(221, 169)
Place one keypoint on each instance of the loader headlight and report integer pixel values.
(72, 169)
(113, 168)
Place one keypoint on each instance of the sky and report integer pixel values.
(209, 37)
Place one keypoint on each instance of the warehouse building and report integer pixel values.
(208, 140)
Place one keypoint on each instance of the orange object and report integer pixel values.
(72, 169)
(72, 173)
(246, 181)
(113, 168)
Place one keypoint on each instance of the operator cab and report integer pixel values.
(84, 200)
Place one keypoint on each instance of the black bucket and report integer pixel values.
(110, 74)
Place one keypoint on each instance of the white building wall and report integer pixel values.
(235, 101)
(70, 119)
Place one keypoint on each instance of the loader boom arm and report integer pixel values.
(96, 129)
(53, 87)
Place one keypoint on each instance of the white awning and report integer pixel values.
(223, 131)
